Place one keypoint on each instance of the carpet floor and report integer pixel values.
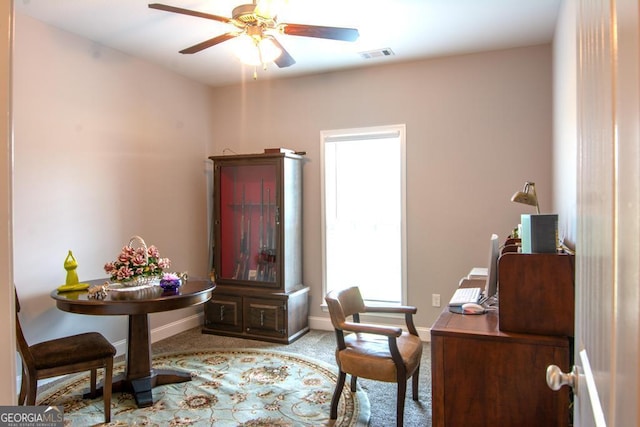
(229, 388)
(321, 345)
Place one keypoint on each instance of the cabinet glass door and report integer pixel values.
(248, 216)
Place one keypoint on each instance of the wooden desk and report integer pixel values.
(139, 378)
(482, 376)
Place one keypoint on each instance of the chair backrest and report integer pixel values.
(23, 347)
(344, 303)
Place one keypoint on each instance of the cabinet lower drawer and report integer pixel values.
(265, 317)
(224, 312)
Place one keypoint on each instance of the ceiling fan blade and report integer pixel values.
(285, 59)
(208, 43)
(190, 12)
(333, 33)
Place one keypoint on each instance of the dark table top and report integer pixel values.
(129, 302)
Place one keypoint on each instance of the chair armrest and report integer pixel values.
(388, 331)
(407, 310)
(391, 309)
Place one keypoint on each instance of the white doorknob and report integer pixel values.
(556, 378)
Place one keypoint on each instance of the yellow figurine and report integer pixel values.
(70, 264)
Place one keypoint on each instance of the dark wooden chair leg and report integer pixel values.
(402, 391)
(32, 388)
(107, 383)
(93, 379)
(336, 395)
(354, 385)
(414, 384)
(23, 388)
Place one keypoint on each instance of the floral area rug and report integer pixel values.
(229, 387)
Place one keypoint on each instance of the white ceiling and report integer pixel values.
(413, 29)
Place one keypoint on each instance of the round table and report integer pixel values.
(139, 377)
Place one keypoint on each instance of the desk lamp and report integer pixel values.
(527, 196)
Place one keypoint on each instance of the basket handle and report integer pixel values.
(142, 244)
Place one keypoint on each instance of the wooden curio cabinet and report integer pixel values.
(257, 248)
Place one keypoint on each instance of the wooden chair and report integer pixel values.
(61, 356)
(375, 352)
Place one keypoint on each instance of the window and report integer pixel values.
(363, 209)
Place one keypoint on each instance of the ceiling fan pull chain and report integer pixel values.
(255, 72)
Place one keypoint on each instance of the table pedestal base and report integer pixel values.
(141, 387)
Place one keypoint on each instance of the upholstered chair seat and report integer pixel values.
(81, 348)
(368, 355)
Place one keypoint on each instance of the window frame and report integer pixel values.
(363, 133)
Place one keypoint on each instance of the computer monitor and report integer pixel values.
(491, 286)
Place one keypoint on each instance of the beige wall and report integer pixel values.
(478, 127)
(106, 147)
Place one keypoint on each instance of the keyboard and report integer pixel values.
(465, 295)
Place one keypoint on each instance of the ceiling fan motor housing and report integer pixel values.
(244, 13)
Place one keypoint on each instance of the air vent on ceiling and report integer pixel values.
(378, 53)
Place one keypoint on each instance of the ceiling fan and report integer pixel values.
(259, 23)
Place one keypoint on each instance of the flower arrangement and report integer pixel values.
(137, 264)
(170, 281)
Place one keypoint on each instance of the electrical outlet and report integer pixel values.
(435, 300)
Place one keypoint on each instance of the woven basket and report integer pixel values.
(140, 280)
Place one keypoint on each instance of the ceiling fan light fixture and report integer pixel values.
(257, 51)
(269, 52)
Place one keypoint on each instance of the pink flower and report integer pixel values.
(124, 273)
(153, 251)
(138, 260)
(164, 263)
